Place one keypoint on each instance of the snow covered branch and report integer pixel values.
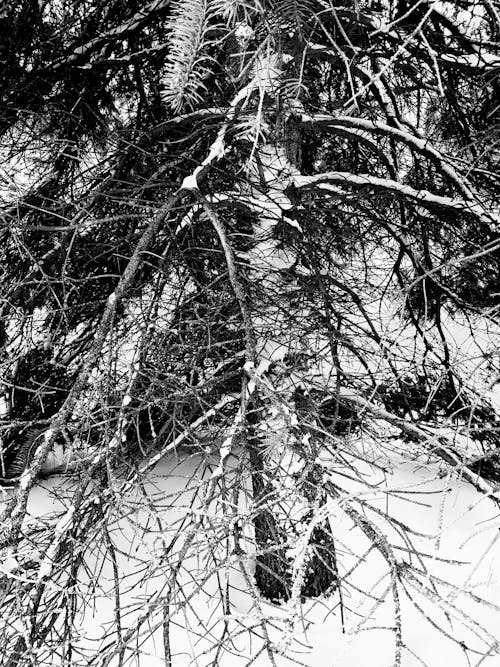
(326, 180)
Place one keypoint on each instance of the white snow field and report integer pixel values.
(446, 552)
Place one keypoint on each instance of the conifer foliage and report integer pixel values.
(252, 236)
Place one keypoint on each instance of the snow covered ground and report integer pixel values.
(448, 535)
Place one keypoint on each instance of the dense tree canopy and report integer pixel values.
(254, 233)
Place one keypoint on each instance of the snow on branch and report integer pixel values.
(421, 145)
(435, 442)
(326, 180)
(14, 512)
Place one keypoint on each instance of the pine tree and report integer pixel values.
(247, 233)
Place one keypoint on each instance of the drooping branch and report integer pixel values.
(326, 181)
(422, 145)
(434, 442)
(13, 513)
